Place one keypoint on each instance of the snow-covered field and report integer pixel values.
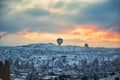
(49, 60)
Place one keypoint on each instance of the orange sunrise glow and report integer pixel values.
(87, 33)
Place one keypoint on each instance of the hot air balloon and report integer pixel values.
(59, 41)
(86, 45)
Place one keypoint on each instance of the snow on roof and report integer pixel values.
(2, 58)
(47, 77)
(18, 79)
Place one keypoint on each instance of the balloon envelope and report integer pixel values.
(59, 41)
(86, 45)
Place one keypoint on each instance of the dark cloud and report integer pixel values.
(6, 23)
(106, 14)
(18, 22)
(6, 6)
(35, 12)
(30, 19)
(10, 26)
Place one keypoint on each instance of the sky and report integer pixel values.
(95, 22)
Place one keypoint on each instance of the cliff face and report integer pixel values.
(4, 68)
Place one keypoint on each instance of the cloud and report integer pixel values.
(104, 13)
(21, 16)
(76, 35)
(59, 4)
(13, 23)
(93, 36)
(30, 36)
(49, 15)
(8, 26)
(37, 12)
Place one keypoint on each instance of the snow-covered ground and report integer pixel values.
(71, 60)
